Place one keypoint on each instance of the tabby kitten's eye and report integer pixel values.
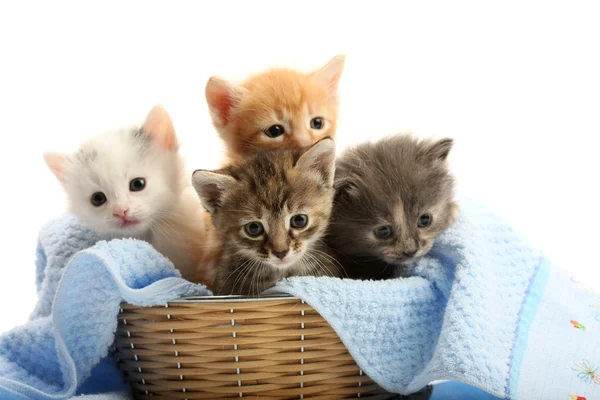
(317, 123)
(98, 199)
(299, 221)
(383, 232)
(274, 131)
(137, 184)
(254, 229)
(425, 220)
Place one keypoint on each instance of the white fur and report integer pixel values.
(167, 209)
(119, 159)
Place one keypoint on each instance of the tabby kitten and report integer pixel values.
(271, 211)
(393, 198)
(277, 108)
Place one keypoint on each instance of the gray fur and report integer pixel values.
(86, 156)
(391, 182)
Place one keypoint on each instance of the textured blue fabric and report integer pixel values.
(63, 351)
(454, 319)
(483, 308)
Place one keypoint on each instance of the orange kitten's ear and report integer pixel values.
(221, 97)
(159, 127)
(211, 187)
(330, 74)
(319, 160)
(57, 164)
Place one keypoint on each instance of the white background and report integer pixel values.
(517, 84)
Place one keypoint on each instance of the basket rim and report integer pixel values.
(233, 298)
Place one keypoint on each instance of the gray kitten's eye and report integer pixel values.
(383, 232)
(317, 123)
(299, 221)
(425, 220)
(137, 184)
(254, 229)
(98, 199)
(274, 131)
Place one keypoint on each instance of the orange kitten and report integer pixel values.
(277, 108)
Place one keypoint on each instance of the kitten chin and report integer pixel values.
(271, 212)
(393, 198)
(279, 108)
(132, 183)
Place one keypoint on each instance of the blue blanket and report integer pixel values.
(81, 280)
(483, 308)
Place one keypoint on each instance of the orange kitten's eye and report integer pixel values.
(317, 123)
(274, 131)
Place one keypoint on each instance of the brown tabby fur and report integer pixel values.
(241, 113)
(271, 186)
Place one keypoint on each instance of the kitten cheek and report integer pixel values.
(426, 245)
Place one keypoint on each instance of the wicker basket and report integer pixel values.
(231, 347)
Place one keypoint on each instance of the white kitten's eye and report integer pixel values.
(137, 184)
(274, 131)
(98, 199)
(317, 123)
(425, 220)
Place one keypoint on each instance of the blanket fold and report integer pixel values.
(483, 307)
(62, 351)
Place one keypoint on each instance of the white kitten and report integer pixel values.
(132, 183)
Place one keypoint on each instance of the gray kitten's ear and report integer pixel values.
(344, 187)
(438, 151)
(346, 183)
(319, 160)
(211, 187)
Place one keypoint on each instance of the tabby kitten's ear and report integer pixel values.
(211, 187)
(329, 75)
(319, 160)
(436, 151)
(222, 97)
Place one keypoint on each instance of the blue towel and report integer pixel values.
(63, 350)
(484, 308)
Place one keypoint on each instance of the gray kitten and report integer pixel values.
(393, 198)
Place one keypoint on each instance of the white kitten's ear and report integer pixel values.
(221, 97)
(329, 75)
(159, 127)
(438, 151)
(57, 164)
(319, 159)
(211, 187)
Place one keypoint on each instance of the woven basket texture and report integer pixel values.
(232, 347)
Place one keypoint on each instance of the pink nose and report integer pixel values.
(121, 214)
